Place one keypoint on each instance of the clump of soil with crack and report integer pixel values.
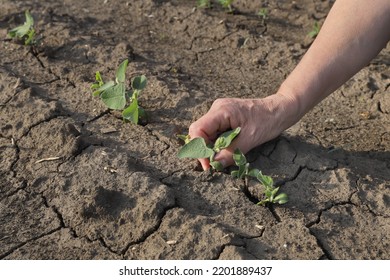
(79, 183)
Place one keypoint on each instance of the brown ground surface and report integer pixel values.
(118, 191)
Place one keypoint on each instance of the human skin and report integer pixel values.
(353, 33)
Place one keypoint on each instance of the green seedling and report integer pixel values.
(203, 4)
(185, 138)
(227, 4)
(270, 193)
(114, 94)
(26, 31)
(263, 14)
(197, 148)
(243, 166)
(316, 29)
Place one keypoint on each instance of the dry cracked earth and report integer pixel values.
(79, 183)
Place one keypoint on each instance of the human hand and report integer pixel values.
(260, 120)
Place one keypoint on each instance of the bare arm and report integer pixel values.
(353, 33)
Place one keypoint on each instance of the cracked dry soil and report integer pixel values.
(113, 190)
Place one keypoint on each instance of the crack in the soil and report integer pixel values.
(48, 119)
(318, 220)
(35, 53)
(150, 231)
(23, 187)
(28, 241)
(55, 210)
(367, 206)
(102, 114)
(17, 157)
(327, 254)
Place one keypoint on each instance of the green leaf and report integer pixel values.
(29, 19)
(234, 173)
(121, 72)
(102, 88)
(216, 165)
(30, 37)
(273, 193)
(131, 113)
(242, 170)
(316, 29)
(268, 192)
(281, 198)
(139, 82)
(204, 3)
(196, 148)
(239, 158)
(24, 29)
(99, 79)
(226, 139)
(267, 181)
(263, 202)
(114, 97)
(254, 173)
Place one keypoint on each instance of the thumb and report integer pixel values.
(225, 157)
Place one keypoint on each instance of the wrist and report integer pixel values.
(290, 109)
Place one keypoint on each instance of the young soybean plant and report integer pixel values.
(203, 4)
(26, 31)
(227, 4)
(270, 192)
(114, 94)
(197, 147)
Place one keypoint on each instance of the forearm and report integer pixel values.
(354, 33)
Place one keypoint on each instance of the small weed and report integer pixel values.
(197, 148)
(227, 4)
(26, 31)
(263, 14)
(114, 94)
(203, 4)
(316, 29)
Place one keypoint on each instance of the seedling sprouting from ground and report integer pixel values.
(114, 94)
(270, 192)
(263, 14)
(227, 4)
(197, 147)
(316, 29)
(203, 4)
(26, 31)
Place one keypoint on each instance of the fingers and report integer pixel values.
(215, 121)
(224, 114)
(242, 142)
(205, 163)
